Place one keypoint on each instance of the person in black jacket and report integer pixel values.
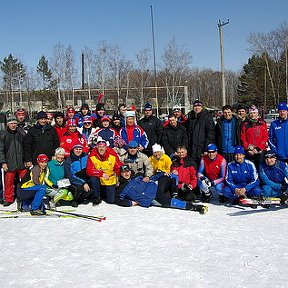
(200, 129)
(174, 134)
(40, 139)
(153, 128)
(12, 157)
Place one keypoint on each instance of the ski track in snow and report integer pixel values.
(147, 247)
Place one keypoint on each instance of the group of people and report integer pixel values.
(86, 157)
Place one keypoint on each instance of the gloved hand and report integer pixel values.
(54, 186)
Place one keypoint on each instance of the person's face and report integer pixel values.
(148, 112)
(12, 126)
(42, 165)
(227, 114)
(270, 161)
(197, 108)
(116, 122)
(132, 151)
(77, 151)
(173, 121)
(157, 154)
(182, 153)
(59, 120)
(101, 149)
(177, 113)
(87, 124)
(253, 115)
(242, 113)
(212, 154)
(72, 129)
(60, 158)
(283, 114)
(101, 112)
(130, 121)
(105, 124)
(20, 117)
(84, 111)
(70, 115)
(126, 174)
(49, 120)
(42, 121)
(122, 110)
(239, 157)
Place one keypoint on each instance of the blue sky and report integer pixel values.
(30, 28)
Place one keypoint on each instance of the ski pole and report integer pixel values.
(91, 217)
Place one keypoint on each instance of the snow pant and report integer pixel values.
(167, 184)
(107, 191)
(32, 196)
(9, 179)
(254, 192)
(187, 194)
(79, 194)
(270, 192)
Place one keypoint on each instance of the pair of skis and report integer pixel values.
(263, 202)
(4, 214)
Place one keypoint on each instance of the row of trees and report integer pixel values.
(263, 79)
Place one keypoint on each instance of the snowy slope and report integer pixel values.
(148, 247)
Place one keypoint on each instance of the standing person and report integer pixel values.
(242, 113)
(75, 170)
(21, 116)
(174, 135)
(84, 111)
(227, 131)
(132, 131)
(272, 174)
(153, 128)
(86, 130)
(99, 113)
(254, 136)
(211, 174)
(278, 134)
(33, 187)
(122, 108)
(12, 157)
(104, 167)
(180, 117)
(241, 178)
(185, 167)
(116, 122)
(200, 129)
(40, 139)
(59, 124)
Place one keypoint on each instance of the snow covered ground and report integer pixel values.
(148, 247)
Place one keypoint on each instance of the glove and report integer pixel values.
(54, 186)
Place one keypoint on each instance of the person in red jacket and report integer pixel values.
(72, 137)
(254, 136)
(59, 125)
(185, 167)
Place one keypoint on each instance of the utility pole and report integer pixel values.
(220, 25)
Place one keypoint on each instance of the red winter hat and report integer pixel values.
(70, 110)
(42, 158)
(71, 122)
(105, 118)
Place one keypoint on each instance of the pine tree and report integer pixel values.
(45, 72)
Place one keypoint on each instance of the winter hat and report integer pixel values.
(70, 110)
(197, 103)
(212, 147)
(78, 145)
(11, 119)
(101, 141)
(124, 168)
(239, 150)
(119, 142)
(130, 114)
(84, 106)
(156, 148)
(132, 144)
(42, 158)
(71, 122)
(50, 115)
(269, 154)
(148, 106)
(20, 111)
(253, 108)
(282, 106)
(116, 117)
(87, 119)
(176, 108)
(58, 114)
(41, 115)
(105, 118)
(100, 106)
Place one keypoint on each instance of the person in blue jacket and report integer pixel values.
(132, 191)
(242, 179)
(273, 174)
(278, 134)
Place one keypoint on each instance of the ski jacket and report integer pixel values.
(108, 163)
(242, 175)
(273, 176)
(200, 130)
(254, 133)
(214, 170)
(38, 140)
(75, 168)
(108, 134)
(61, 130)
(71, 139)
(163, 164)
(173, 137)
(11, 149)
(139, 136)
(278, 138)
(56, 171)
(136, 190)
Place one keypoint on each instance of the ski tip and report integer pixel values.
(104, 218)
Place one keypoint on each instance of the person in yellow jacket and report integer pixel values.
(104, 164)
(33, 186)
(159, 160)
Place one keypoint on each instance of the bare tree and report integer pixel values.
(102, 66)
